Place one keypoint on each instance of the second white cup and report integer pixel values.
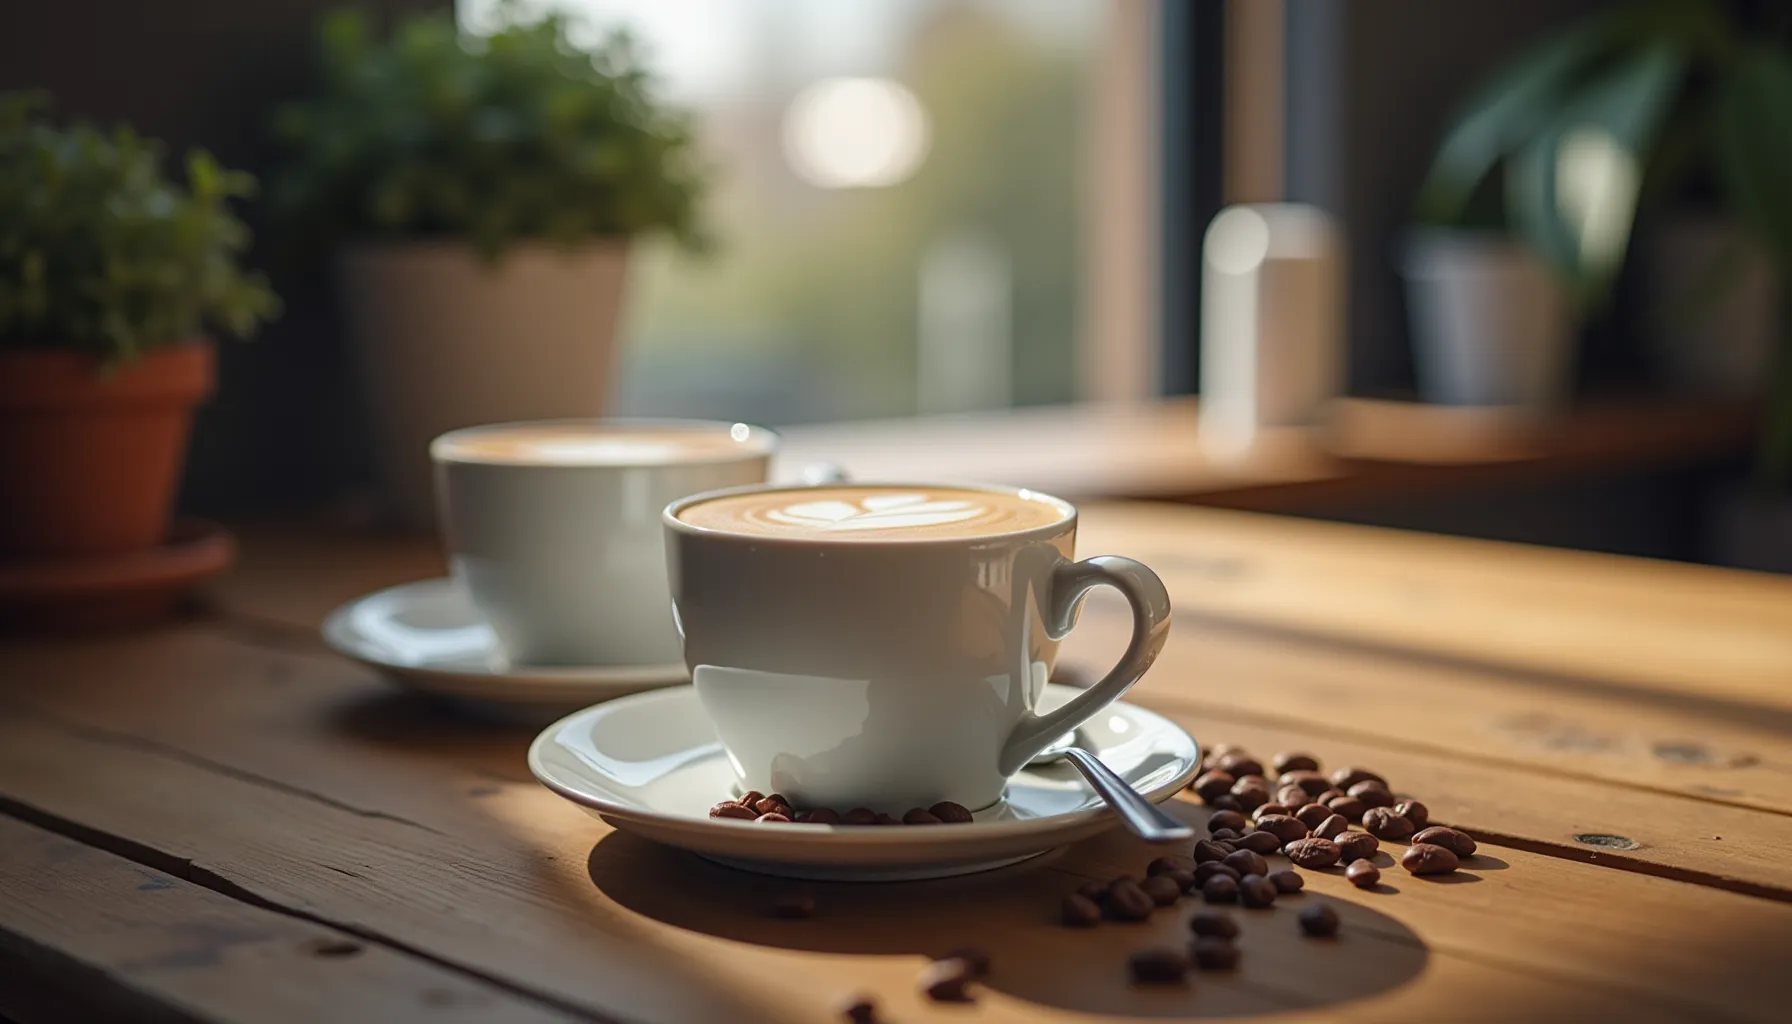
(554, 527)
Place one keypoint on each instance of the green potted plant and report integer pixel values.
(1628, 106)
(110, 273)
(478, 194)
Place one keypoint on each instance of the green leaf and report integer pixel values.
(1502, 115)
(1753, 121)
(1572, 190)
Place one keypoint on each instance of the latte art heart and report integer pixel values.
(871, 514)
(876, 512)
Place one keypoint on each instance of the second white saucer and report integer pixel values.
(427, 636)
(651, 764)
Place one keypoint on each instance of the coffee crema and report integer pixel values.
(601, 444)
(875, 513)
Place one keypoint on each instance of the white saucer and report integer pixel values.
(427, 636)
(651, 765)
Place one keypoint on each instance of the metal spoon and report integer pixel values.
(1145, 819)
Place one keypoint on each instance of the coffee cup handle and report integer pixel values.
(1150, 627)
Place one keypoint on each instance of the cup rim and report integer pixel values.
(767, 440)
(669, 516)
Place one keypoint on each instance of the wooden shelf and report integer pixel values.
(1367, 450)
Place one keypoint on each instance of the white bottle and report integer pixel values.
(1272, 322)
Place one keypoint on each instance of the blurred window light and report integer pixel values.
(850, 140)
(1596, 187)
(855, 133)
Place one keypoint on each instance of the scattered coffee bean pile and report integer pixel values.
(1301, 814)
(1298, 812)
(773, 809)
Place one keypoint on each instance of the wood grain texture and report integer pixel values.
(81, 927)
(298, 779)
(1685, 631)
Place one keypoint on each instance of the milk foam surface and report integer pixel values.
(597, 444)
(874, 513)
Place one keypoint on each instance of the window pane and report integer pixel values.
(898, 203)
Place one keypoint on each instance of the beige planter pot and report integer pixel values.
(446, 340)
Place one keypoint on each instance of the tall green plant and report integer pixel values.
(100, 252)
(432, 132)
(1571, 135)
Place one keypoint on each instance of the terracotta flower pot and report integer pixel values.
(89, 459)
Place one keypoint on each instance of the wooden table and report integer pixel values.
(221, 821)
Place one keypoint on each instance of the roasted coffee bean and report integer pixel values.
(1222, 889)
(1332, 827)
(1456, 842)
(859, 816)
(1413, 811)
(1330, 794)
(1291, 796)
(1372, 794)
(1185, 880)
(1353, 846)
(856, 1008)
(1226, 819)
(1224, 835)
(750, 797)
(1214, 784)
(1312, 852)
(1283, 827)
(730, 809)
(1214, 954)
(1225, 802)
(1426, 859)
(1287, 881)
(794, 904)
(1162, 889)
(1311, 815)
(887, 819)
(976, 958)
(1208, 849)
(1384, 823)
(773, 804)
(1309, 782)
(1275, 806)
(1247, 862)
(1214, 924)
(1239, 764)
(1127, 902)
(1319, 921)
(823, 816)
(1157, 966)
(773, 818)
(1256, 892)
(1079, 911)
(1203, 872)
(920, 816)
(1165, 865)
(1092, 890)
(951, 813)
(1286, 762)
(946, 981)
(1344, 778)
(1251, 796)
(1363, 874)
(1349, 806)
(1262, 843)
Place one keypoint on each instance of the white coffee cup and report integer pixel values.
(849, 669)
(553, 527)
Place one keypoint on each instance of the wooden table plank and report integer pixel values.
(79, 926)
(533, 900)
(1677, 629)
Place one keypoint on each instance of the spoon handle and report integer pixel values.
(1141, 815)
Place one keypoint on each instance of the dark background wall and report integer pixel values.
(1371, 86)
(281, 429)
